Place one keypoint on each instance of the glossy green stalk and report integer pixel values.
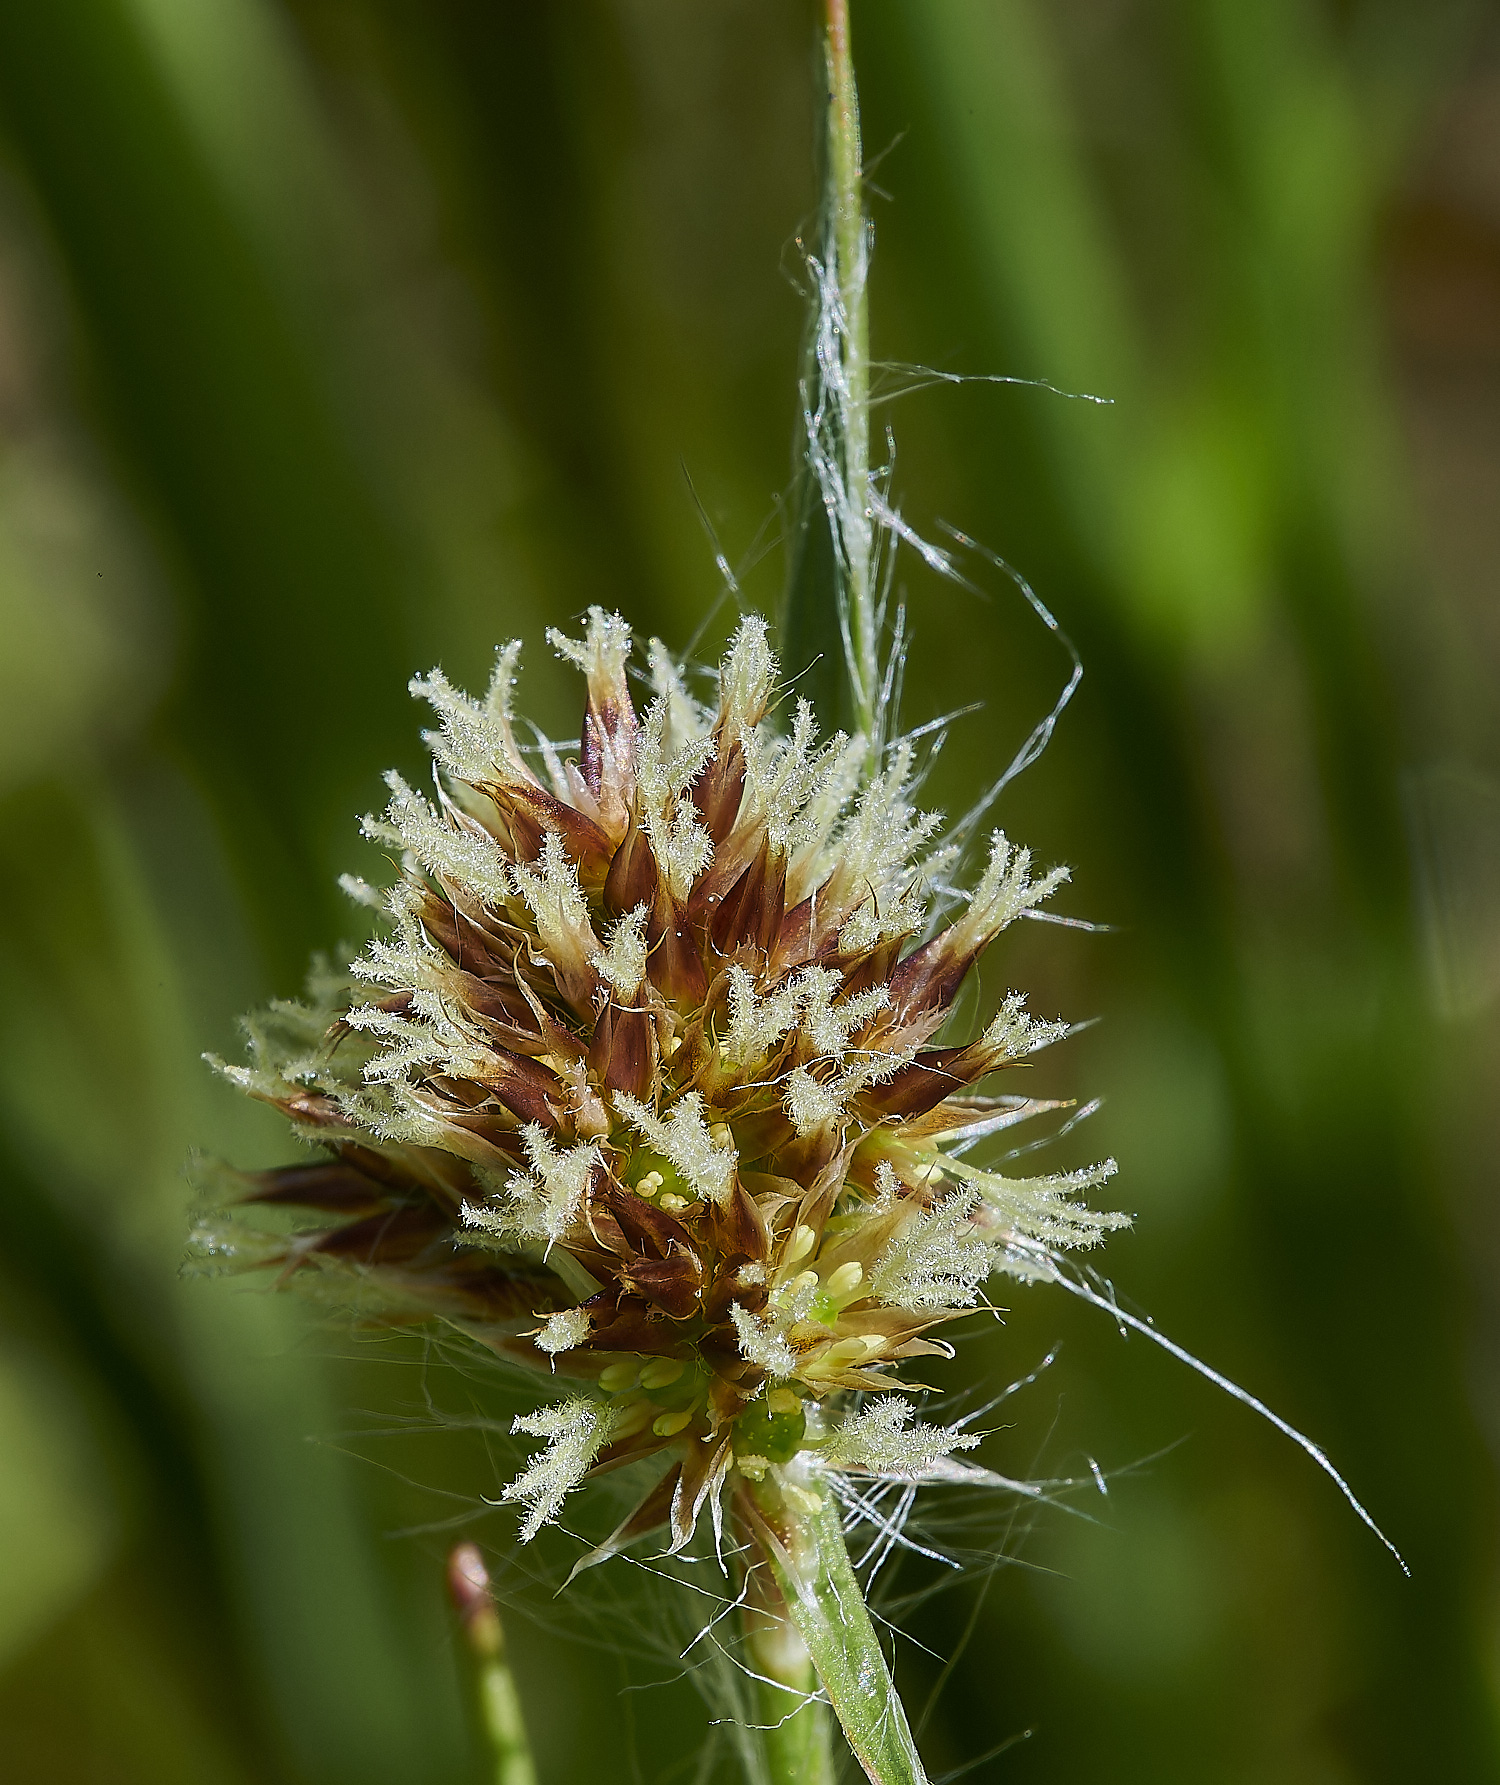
(796, 1728)
(848, 242)
(803, 1540)
(830, 619)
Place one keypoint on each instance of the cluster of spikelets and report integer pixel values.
(641, 1085)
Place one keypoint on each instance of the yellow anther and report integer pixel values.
(629, 1420)
(783, 1400)
(672, 1203)
(721, 1134)
(846, 1351)
(808, 1280)
(668, 1424)
(752, 1467)
(661, 1371)
(845, 1280)
(649, 1184)
(619, 1376)
(801, 1243)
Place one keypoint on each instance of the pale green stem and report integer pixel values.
(797, 1730)
(848, 241)
(499, 1702)
(803, 1540)
(500, 1709)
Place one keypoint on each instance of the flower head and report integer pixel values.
(642, 1084)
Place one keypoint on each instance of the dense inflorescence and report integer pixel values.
(642, 1084)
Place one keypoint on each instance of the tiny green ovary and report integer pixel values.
(775, 1436)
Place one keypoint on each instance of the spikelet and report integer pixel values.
(641, 1086)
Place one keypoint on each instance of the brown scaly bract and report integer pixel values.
(640, 1086)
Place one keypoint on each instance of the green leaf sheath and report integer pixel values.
(795, 1728)
(826, 1604)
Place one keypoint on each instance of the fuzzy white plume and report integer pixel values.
(883, 1439)
(576, 1431)
(936, 1259)
(707, 1163)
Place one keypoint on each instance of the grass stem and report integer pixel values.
(499, 1702)
(848, 243)
(797, 1728)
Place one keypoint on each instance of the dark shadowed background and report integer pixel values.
(342, 337)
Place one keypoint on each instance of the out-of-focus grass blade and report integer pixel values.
(293, 576)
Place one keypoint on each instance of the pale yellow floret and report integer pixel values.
(843, 1281)
(632, 1415)
(800, 1246)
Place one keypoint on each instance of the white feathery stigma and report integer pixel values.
(576, 1431)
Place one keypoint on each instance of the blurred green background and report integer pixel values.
(341, 337)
